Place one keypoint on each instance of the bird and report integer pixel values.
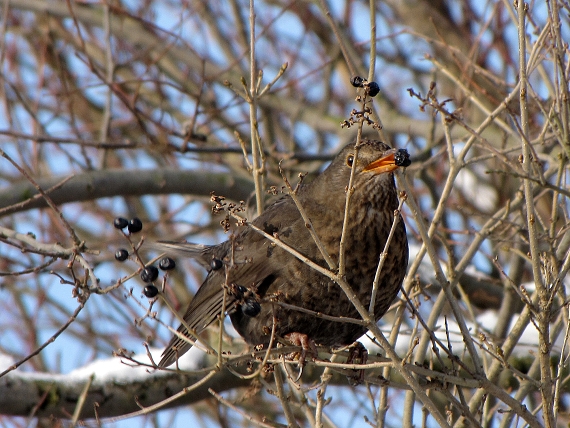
(261, 285)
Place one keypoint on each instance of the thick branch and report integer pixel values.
(123, 182)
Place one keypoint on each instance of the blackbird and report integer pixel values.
(263, 282)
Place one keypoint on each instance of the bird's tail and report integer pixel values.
(199, 252)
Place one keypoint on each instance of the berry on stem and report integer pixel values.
(373, 89)
(357, 81)
(121, 255)
(150, 291)
(120, 223)
(149, 274)
(135, 225)
(166, 263)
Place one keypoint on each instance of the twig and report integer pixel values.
(278, 376)
(561, 364)
(244, 414)
(291, 250)
(22, 171)
(349, 192)
(79, 245)
(307, 220)
(321, 402)
(208, 349)
(277, 77)
(383, 255)
(445, 284)
(321, 315)
(541, 288)
(81, 401)
(256, 148)
(350, 62)
(49, 341)
(222, 317)
(163, 403)
(266, 355)
(109, 69)
(21, 205)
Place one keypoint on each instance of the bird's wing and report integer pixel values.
(254, 262)
(207, 304)
(201, 312)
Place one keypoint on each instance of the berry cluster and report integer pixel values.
(134, 225)
(371, 88)
(150, 273)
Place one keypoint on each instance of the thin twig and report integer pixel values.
(349, 192)
(326, 377)
(81, 401)
(266, 355)
(245, 415)
(256, 148)
(283, 397)
(203, 344)
(383, 255)
(52, 339)
(307, 220)
(543, 318)
(163, 403)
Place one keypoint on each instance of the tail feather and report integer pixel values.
(199, 252)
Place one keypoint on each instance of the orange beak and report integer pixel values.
(386, 163)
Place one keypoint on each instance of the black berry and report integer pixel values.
(150, 291)
(216, 264)
(166, 263)
(121, 254)
(149, 274)
(135, 225)
(120, 222)
(357, 81)
(402, 158)
(251, 308)
(373, 89)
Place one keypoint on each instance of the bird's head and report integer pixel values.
(374, 161)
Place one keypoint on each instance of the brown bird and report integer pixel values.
(259, 277)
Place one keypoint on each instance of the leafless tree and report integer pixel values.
(143, 109)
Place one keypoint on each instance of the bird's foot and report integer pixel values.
(307, 347)
(358, 354)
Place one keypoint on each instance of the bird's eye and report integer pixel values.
(349, 160)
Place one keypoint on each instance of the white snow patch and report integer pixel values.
(6, 361)
(114, 369)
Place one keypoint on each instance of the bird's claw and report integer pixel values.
(357, 352)
(307, 347)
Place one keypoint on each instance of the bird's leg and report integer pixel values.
(307, 346)
(357, 352)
